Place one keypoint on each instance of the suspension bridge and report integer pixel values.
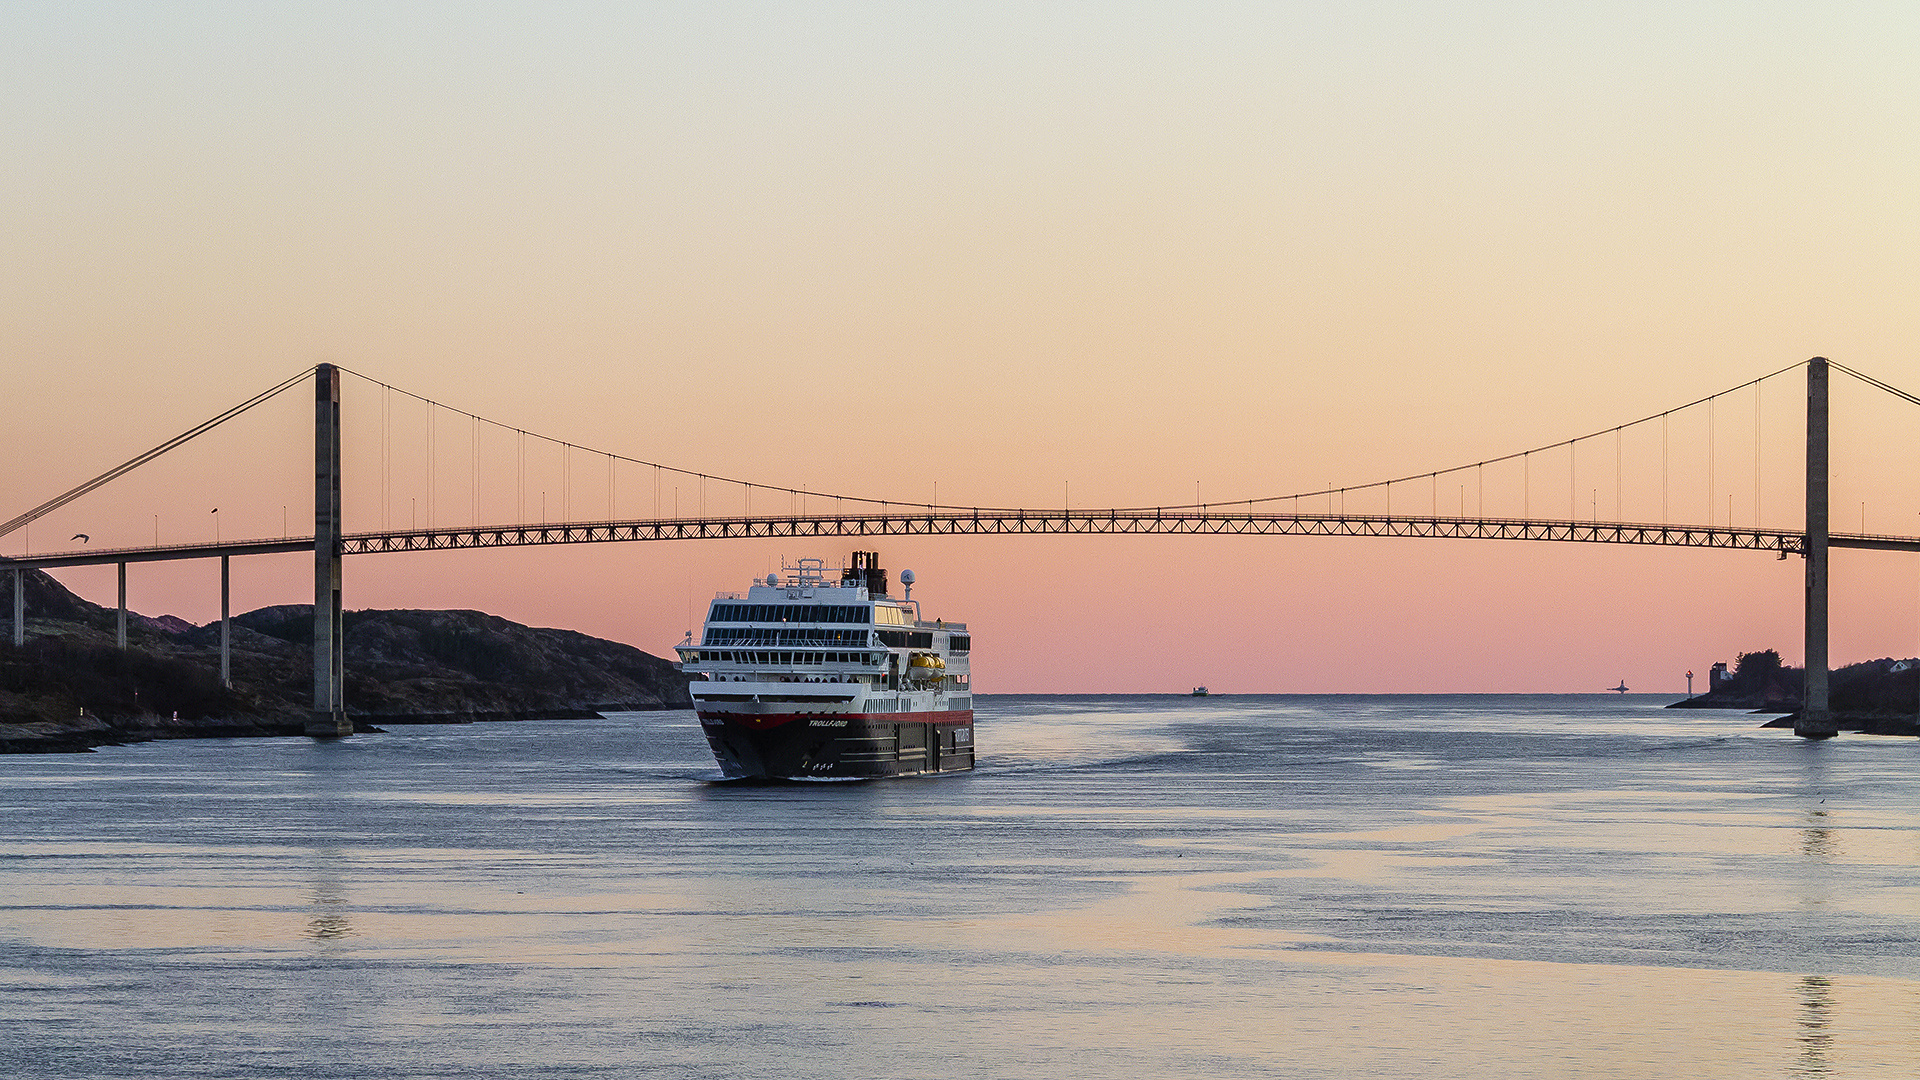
(1297, 514)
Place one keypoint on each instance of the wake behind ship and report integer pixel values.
(823, 675)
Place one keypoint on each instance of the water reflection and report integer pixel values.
(1816, 1021)
(328, 917)
(1817, 839)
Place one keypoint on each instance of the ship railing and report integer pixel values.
(938, 624)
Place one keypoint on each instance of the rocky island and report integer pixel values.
(1874, 697)
(69, 687)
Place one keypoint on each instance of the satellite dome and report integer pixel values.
(906, 577)
(773, 581)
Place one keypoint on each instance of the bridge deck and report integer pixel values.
(990, 523)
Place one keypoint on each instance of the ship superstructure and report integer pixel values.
(821, 673)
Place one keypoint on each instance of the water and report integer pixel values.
(1127, 887)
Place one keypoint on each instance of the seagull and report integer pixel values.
(82, 537)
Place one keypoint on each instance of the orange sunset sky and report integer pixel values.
(1026, 252)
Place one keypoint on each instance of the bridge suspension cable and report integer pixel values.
(800, 494)
(118, 471)
(1876, 383)
(1525, 457)
(566, 448)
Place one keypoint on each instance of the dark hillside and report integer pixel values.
(69, 687)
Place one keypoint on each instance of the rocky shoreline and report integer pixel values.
(69, 688)
(1875, 697)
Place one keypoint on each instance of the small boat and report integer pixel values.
(1621, 689)
(1199, 691)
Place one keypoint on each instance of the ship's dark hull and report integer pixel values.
(839, 746)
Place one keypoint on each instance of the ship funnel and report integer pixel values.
(866, 571)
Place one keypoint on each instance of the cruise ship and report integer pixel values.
(821, 674)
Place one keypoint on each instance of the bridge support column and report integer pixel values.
(226, 628)
(1816, 720)
(329, 719)
(19, 608)
(120, 635)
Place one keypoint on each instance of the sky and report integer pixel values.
(1030, 253)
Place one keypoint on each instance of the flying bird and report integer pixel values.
(82, 537)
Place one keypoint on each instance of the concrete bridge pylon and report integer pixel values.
(329, 719)
(1816, 719)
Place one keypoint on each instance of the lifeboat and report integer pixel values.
(925, 667)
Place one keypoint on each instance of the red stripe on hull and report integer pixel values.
(763, 721)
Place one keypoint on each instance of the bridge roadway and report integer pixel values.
(993, 523)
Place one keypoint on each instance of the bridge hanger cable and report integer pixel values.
(118, 471)
(566, 446)
(1524, 455)
(1433, 475)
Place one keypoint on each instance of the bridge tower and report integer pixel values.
(1815, 720)
(329, 719)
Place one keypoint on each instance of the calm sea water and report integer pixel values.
(1126, 887)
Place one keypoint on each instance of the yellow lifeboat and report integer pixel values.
(925, 667)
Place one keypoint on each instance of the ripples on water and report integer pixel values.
(1127, 887)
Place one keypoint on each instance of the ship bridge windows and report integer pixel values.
(906, 639)
(725, 611)
(961, 643)
(784, 635)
